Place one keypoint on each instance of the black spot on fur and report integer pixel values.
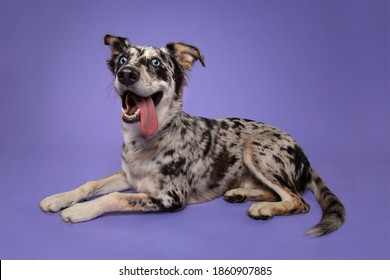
(302, 167)
(237, 124)
(176, 203)
(190, 179)
(232, 160)
(256, 143)
(174, 168)
(172, 205)
(183, 131)
(282, 181)
(255, 126)
(169, 153)
(174, 195)
(318, 180)
(278, 160)
(168, 125)
(163, 56)
(325, 192)
(140, 51)
(277, 135)
(213, 186)
(161, 73)
(232, 183)
(220, 167)
(145, 62)
(158, 202)
(224, 125)
(185, 122)
(209, 123)
(207, 139)
(290, 150)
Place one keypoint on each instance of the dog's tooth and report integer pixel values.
(133, 116)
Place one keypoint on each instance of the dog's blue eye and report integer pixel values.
(122, 60)
(156, 62)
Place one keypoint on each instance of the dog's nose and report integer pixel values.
(128, 76)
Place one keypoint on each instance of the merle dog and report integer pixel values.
(173, 159)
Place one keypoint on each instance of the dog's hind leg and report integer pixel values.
(250, 188)
(274, 176)
(241, 195)
(114, 183)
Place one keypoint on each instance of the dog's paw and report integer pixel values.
(81, 212)
(260, 211)
(57, 202)
(234, 196)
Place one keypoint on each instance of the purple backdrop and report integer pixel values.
(317, 69)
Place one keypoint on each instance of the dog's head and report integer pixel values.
(149, 81)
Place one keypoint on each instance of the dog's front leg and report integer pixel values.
(118, 202)
(113, 183)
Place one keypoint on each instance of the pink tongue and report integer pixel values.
(148, 115)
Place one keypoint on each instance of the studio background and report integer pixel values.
(317, 69)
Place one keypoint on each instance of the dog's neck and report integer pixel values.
(166, 136)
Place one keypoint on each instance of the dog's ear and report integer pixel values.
(117, 44)
(185, 55)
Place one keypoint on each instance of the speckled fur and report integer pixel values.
(194, 159)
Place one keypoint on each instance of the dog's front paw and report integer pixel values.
(57, 202)
(81, 212)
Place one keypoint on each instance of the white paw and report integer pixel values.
(260, 211)
(81, 212)
(57, 202)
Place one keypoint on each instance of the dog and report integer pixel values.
(173, 159)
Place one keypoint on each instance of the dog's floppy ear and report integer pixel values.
(185, 55)
(118, 44)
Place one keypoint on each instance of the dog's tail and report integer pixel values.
(333, 211)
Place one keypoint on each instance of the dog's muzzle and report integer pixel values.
(128, 76)
(135, 106)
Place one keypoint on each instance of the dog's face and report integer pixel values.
(149, 81)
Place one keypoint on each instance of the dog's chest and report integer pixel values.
(195, 155)
(141, 163)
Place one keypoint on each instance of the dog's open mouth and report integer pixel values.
(136, 108)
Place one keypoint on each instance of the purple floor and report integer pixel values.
(317, 69)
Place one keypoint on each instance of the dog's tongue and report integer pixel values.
(148, 115)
